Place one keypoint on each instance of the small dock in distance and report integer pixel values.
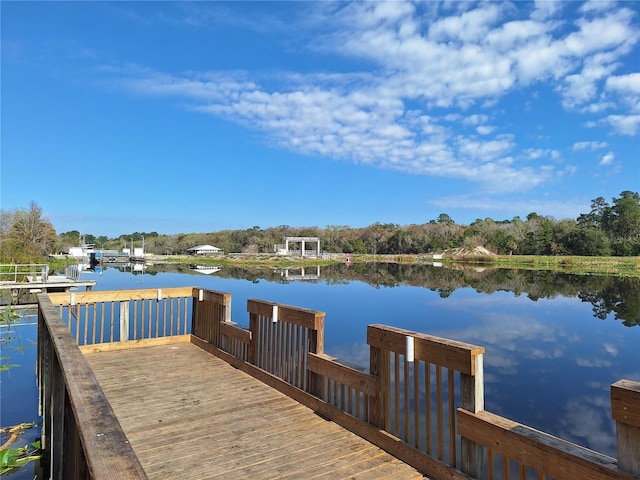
(159, 383)
(25, 279)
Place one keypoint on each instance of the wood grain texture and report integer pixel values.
(189, 414)
(547, 454)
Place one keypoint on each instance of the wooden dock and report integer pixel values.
(159, 383)
(189, 414)
(25, 280)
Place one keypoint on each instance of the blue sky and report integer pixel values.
(196, 117)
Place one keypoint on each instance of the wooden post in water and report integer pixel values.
(625, 410)
(124, 321)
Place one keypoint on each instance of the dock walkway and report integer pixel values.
(179, 405)
(161, 384)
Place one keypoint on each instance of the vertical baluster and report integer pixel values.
(299, 370)
(396, 393)
(143, 317)
(112, 322)
(427, 406)
(440, 415)
(522, 472)
(77, 317)
(452, 417)
(102, 307)
(416, 404)
(157, 334)
(86, 323)
(94, 323)
(280, 348)
(171, 330)
(407, 398)
(490, 467)
(185, 320)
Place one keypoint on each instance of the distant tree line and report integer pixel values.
(608, 229)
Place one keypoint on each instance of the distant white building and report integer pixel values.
(82, 251)
(203, 250)
(303, 250)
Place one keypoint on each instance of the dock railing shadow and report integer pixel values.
(421, 398)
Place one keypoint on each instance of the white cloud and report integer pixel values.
(624, 124)
(607, 159)
(546, 8)
(432, 78)
(485, 129)
(597, 5)
(592, 145)
(625, 83)
(479, 201)
(611, 349)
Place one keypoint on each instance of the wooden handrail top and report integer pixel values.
(106, 448)
(452, 354)
(211, 296)
(547, 454)
(120, 295)
(304, 317)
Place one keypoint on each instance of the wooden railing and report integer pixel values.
(125, 315)
(404, 403)
(421, 397)
(81, 435)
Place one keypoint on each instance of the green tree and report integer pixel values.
(623, 224)
(27, 235)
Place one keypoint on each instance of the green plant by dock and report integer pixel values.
(12, 459)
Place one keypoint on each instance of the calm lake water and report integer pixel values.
(554, 342)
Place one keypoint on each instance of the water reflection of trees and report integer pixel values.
(608, 295)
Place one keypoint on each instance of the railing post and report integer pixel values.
(124, 321)
(252, 355)
(316, 345)
(472, 399)
(44, 380)
(379, 367)
(625, 410)
(57, 413)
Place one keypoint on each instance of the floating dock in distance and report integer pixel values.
(20, 290)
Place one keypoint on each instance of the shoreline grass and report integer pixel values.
(618, 266)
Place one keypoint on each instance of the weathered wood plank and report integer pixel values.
(625, 402)
(189, 414)
(304, 317)
(451, 354)
(108, 453)
(327, 366)
(378, 437)
(146, 342)
(547, 454)
(235, 331)
(118, 295)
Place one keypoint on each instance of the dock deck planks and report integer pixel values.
(189, 414)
